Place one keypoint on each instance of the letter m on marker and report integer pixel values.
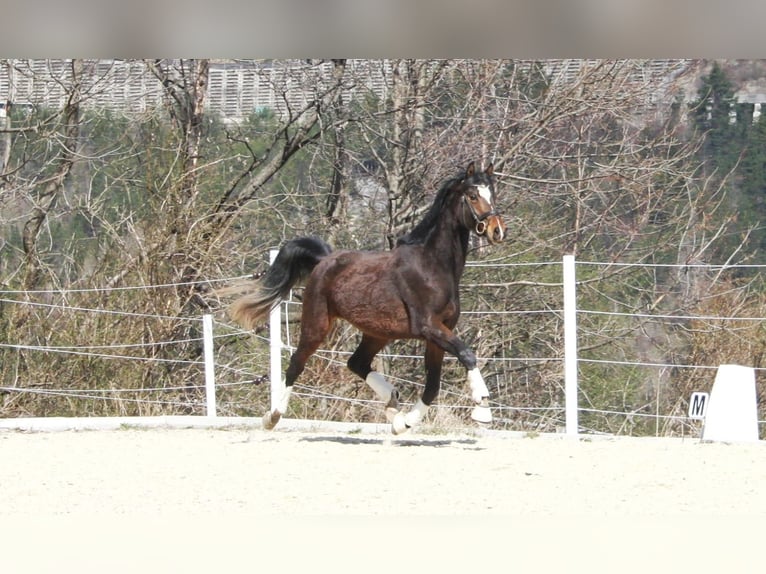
(697, 405)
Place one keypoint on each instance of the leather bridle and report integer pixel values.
(481, 225)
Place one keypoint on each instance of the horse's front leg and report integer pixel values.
(480, 394)
(481, 413)
(446, 340)
(434, 356)
(402, 422)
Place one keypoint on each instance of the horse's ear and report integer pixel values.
(469, 171)
(490, 170)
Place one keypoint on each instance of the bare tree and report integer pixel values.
(590, 161)
(46, 191)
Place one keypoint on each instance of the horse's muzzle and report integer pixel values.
(493, 228)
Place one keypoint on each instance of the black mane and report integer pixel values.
(421, 231)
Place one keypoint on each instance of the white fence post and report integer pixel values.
(207, 339)
(275, 348)
(570, 345)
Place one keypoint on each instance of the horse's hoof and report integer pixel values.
(391, 413)
(482, 414)
(399, 424)
(270, 419)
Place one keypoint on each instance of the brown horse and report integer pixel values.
(410, 292)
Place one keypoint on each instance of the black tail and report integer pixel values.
(292, 265)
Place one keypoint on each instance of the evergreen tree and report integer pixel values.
(712, 113)
(752, 171)
(734, 149)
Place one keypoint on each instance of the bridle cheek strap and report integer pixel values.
(481, 224)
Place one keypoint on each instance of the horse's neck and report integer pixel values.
(449, 246)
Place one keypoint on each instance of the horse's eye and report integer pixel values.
(472, 195)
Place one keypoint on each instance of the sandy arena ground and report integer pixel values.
(227, 499)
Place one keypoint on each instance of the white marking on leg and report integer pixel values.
(479, 389)
(284, 400)
(416, 415)
(271, 418)
(399, 424)
(380, 385)
(481, 414)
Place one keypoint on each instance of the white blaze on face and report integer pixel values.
(485, 192)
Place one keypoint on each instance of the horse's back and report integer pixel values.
(361, 288)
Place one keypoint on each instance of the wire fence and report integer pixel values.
(629, 383)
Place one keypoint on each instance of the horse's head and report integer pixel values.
(479, 197)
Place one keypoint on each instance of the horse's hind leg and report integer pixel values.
(315, 325)
(360, 363)
(434, 356)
